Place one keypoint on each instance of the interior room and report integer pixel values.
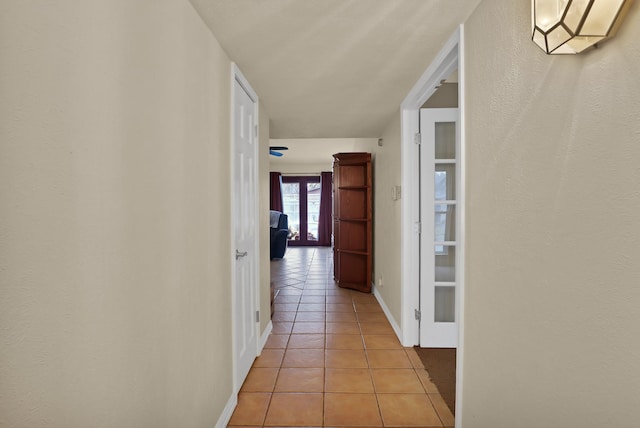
(140, 283)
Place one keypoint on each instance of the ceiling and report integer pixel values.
(299, 151)
(332, 68)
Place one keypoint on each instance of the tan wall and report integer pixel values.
(553, 239)
(114, 179)
(314, 155)
(387, 218)
(446, 96)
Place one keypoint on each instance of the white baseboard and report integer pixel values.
(264, 337)
(225, 417)
(387, 312)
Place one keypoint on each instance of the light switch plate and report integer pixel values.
(396, 192)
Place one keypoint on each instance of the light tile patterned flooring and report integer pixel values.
(333, 359)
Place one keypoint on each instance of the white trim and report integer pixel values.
(461, 214)
(227, 412)
(232, 170)
(450, 58)
(410, 209)
(237, 76)
(387, 312)
(442, 66)
(265, 337)
(256, 242)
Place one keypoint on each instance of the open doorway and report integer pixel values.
(304, 181)
(450, 59)
(439, 151)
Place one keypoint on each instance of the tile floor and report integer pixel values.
(333, 359)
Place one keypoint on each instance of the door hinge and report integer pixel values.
(417, 227)
(255, 130)
(257, 316)
(417, 138)
(418, 314)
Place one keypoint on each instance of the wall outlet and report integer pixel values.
(396, 192)
(380, 282)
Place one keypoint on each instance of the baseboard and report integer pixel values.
(387, 312)
(265, 337)
(225, 417)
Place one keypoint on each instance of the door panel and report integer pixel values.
(438, 192)
(301, 198)
(245, 289)
(291, 206)
(313, 211)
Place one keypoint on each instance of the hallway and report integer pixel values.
(333, 359)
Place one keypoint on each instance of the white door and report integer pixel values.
(439, 178)
(244, 221)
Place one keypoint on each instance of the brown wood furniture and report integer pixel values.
(352, 220)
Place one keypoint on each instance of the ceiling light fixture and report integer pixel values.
(571, 26)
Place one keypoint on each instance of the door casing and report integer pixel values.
(450, 58)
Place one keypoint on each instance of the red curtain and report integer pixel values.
(326, 210)
(276, 192)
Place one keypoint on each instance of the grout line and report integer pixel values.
(315, 258)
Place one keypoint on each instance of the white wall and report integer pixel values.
(553, 239)
(114, 181)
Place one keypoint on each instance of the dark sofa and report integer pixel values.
(279, 234)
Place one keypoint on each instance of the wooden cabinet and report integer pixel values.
(352, 220)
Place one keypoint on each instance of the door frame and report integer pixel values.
(450, 58)
(238, 77)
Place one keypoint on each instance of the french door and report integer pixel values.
(301, 203)
(439, 178)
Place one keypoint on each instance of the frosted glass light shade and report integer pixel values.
(571, 26)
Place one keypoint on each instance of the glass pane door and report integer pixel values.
(313, 210)
(291, 207)
(438, 201)
(301, 198)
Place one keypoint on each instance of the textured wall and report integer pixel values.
(553, 239)
(387, 219)
(114, 184)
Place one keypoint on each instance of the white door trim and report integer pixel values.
(237, 76)
(450, 58)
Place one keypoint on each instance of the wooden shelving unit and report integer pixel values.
(352, 220)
